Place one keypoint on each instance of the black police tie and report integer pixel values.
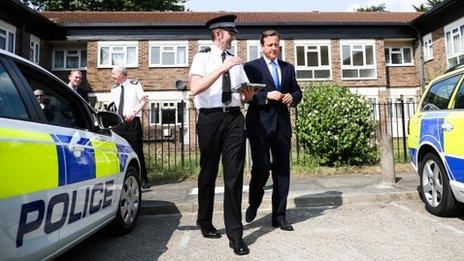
(226, 93)
(121, 101)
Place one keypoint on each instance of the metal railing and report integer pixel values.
(170, 138)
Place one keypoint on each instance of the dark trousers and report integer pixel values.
(132, 132)
(221, 133)
(261, 149)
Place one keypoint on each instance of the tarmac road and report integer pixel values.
(398, 230)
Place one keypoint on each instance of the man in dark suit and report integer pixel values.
(75, 80)
(268, 128)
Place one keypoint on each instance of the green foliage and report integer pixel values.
(335, 126)
(372, 8)
(161, 171)
(107, 5)
(429, 5)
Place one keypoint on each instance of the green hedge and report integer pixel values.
(336, 126)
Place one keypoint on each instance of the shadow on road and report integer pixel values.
(328, 199)
(148, 241)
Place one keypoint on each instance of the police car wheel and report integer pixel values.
(129, 203)
(435, 189)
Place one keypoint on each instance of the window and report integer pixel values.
(459, 103)
(60, 103)
(7, 40)
(428, 47)
(358, 59)
(232, 50)
(166, 113)
(454, 42)
(254, 50)
(69, 59)
(313, 60)
(34, 52)
(398, 56)
(112, 54)
(168, 54)
(11, 104)
(439, 94)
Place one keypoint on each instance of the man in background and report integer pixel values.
(75, 80)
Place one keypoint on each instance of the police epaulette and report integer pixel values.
(205, 49)
(116, 85)
(134, 81)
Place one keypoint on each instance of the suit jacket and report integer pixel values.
(265, 117)
(84, 93)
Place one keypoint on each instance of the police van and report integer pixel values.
(64, 173)
(436, 143)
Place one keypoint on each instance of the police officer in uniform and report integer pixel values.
(129, 99)
(220, 130)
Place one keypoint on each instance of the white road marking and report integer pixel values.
(457, 231)
(217, 190)
(184, 241)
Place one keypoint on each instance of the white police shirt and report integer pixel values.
(203, 64)
(133, 94)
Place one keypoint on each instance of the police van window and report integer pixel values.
(459, 104)
(440, 93)
(59, 106)
(11, 104)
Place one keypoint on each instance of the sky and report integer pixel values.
(298, 5)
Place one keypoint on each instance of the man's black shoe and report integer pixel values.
(239, 246)
(209, 232)
(250, 214)
(145, 184)
(283, 225)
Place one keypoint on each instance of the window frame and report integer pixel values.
(117, 44)
(10, 31)
(402, 48)
(257, 44)
(358, 68)
(34, 49)
(160, 112)
(64, 68)
(427, 47)
(318, 44)
(454, 29)
(175, 45)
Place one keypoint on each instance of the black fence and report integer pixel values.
(170, 139)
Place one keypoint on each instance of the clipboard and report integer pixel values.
(244, 85)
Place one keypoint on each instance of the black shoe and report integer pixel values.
(283, 225)
(145, 184)
(209, 232)
(239, 246)
(250, 214)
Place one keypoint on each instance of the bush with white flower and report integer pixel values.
(336, 126)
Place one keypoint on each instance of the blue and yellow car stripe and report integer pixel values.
(37, 161)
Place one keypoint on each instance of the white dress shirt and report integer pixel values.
(203, 64)
(133, 94)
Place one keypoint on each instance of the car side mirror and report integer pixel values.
(108, 120)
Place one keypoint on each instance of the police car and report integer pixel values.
(64, 173)
(436, 143)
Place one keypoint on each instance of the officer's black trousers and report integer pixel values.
(221, 133)
(132, 132)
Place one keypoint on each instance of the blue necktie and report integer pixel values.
(275, 75)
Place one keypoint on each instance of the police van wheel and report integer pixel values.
(129, 203)
(435, 188)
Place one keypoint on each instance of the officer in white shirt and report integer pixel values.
(220, 130)
(129, 99)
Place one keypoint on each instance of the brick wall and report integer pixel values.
(437, 65)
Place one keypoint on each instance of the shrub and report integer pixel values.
(336, 126)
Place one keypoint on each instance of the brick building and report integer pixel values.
(377, 54)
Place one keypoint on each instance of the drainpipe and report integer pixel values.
(421, 61)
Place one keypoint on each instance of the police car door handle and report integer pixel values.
(446, 126)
